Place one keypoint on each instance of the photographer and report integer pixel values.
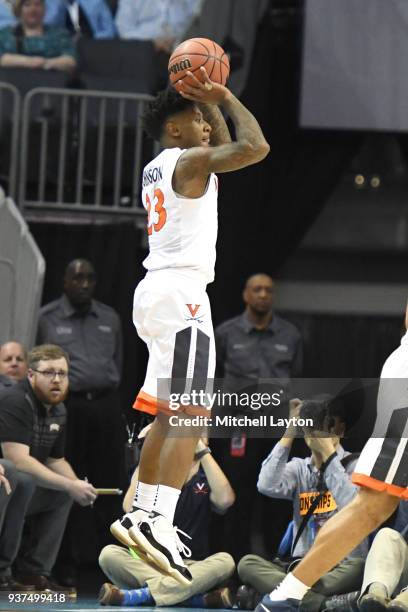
(319, 486)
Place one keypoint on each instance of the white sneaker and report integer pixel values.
(159, 539)
(119, 529)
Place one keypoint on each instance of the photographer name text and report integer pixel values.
(238, 421)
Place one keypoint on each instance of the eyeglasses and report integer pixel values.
(51, 374)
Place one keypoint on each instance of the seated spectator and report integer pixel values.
(136, 582)
(8, 18)
(386, 572)
(318, 486)
(32, 424)
(162, 21)
(89, 18)
(13, 363)
(32, 44)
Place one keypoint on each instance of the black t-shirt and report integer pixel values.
(24, 419)
(193, 515)
(5, 381)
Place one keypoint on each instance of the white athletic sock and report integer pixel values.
(145, 496)
(289, 588)
(167, 498)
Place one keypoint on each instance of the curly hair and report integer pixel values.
(167, 103)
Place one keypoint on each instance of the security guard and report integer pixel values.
(254, 346)
(90, 332)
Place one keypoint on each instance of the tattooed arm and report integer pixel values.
(219, 129)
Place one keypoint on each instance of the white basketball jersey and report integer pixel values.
(182, 231)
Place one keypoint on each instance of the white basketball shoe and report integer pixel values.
(159, 539)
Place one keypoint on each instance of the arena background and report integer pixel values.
(326, 209)
(264, 213)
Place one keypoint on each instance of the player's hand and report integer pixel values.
(206, 92)
(82, 492)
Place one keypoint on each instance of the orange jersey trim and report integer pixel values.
(150, 404)
(378, 485)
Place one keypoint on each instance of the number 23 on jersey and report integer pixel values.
(159, 209)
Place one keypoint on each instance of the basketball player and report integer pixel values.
(171, 308)
(382, 473)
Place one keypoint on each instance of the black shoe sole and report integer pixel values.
(370, 604)
(158, 554)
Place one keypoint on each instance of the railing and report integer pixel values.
(82, 151)
(10, 112)
(22, 269)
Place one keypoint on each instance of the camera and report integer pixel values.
(318, 409)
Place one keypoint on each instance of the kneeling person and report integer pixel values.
(32, 423)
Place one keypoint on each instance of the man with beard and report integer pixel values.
(32, 423)
(255, 346)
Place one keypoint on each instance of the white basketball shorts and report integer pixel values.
(383, 463)
(172, 315)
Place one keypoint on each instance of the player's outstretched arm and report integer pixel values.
(250, 146)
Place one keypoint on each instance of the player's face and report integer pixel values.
(50, 381)
(12, 361)
(32, 13)
(194, 130)
(259, 294)
(79, 284)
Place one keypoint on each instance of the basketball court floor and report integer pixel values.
(83, 604)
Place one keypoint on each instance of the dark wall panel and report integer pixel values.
(354, 64)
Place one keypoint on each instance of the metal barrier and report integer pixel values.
(10, 112)
(82, 151)
(22, 270)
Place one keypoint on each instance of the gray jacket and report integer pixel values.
(297, 480)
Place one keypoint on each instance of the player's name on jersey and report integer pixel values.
(152, 175)
(239, 421)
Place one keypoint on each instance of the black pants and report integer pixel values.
(11, 475)
(265, 576)
(95, 439)
(46, 512)
(95, 448)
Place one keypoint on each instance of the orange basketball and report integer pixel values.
(193, 53)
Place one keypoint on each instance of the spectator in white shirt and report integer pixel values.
(162, 21)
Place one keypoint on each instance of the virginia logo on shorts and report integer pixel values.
(200, 488)
(193, 311)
